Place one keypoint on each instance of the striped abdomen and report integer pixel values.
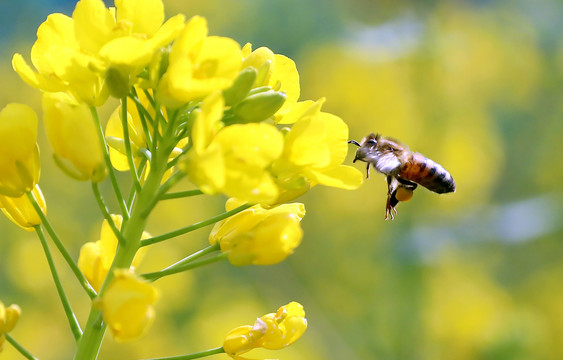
(427, 173)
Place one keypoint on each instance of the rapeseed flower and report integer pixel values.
(19, 154)
(272, 331)
(9, 316)
(128, 305)
(96, 257)
(259, 236)
(20, 210)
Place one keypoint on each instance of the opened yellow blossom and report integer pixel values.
(19, 154)
(233, 160)
(272, 331)
(128, 305)
(259, 236)
(199, 64)
(72, 134)
(96, 257)
(76, 54)
(277, 71)
(314, 149)
(20, 210)
(9, 316)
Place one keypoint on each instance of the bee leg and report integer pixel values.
(367, 171)
(393, 185)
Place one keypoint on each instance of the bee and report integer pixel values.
(404, 170)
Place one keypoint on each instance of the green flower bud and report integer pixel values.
(263, 73)
(241, 86)
(258, 107)
(117, 82)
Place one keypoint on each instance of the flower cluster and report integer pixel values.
(195, 106)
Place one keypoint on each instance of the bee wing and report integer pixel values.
(386, 162)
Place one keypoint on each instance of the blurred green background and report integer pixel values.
(474, 85)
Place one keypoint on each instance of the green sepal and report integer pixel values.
(117, 82)
(258, 107)
(241, 86)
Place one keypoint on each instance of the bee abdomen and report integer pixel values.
(427, 173)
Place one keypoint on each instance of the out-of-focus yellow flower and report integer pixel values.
(76, 54)
(259, 236)
(276, 71)
(9, 316)
(20, 210)
(272, 331)
(235, 159)
(19, 154)
(72, 134)
(96, 257)
(127, 305)
(199, 64)
(314, 149)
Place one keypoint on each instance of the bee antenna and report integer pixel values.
(353, 142)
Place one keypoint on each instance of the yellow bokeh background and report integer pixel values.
(474, 85)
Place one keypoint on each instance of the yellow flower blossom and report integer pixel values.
(128, 305)
(75, 54)
(9, 316)
(72, 134)
(314, 149)
(233, 160)
(272, 331)
(199, 64)
(259, 236)
(20, 210)
(19, 154)
(276, 71)
(96, 257)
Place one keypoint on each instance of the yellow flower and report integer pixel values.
(19, 154)
(259, 236)
(60, 63)
(76, 54)
(314, 149)
(20, 210)
(72, 134)
(199, 64)
(127, 305)
(276, 71)
(272, 331)
(9, 316)
(233, 160)
(96, 257)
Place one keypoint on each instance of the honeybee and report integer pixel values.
(404, 170)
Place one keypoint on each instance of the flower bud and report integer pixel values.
(19, 154)
(20, 210)
(73, 137)
(258, 107)
(241, 86)
(9, 316)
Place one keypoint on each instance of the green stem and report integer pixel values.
(196, 255)
(127, 141)
(20, 348)
(106, 214)
(197, 355)
(184, 267)
(173, 180)
(181, 194)
(56, 240)
(107, 160)
(89, 346)
(193, 227)
(73, 322)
